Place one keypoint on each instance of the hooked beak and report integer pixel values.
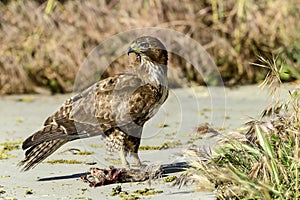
(133, 49)
(130, 50)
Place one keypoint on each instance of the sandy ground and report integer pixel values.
(225, 109)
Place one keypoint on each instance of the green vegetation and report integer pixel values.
(83, 153)
(62, 161)
(265, 165)
(26, 99)
(170, 179)
(117, 191)
(149, 148)
(165, 145)
(51, 48)
(146, 192)
(10, 146)
(6, 148)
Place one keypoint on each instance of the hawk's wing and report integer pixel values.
(113, 102)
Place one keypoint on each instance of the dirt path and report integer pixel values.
(174, 125)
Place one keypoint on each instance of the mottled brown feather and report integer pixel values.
(116, 107)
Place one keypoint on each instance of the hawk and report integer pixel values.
(116, 107)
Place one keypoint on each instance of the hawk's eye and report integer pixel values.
(145, 45)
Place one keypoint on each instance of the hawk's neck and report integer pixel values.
(153, 73)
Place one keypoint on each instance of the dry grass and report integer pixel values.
(43, 43)
(265, 164)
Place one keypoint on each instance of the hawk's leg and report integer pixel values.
(136, 158)
(123, 154)
(125, 164)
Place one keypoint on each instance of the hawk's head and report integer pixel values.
(149, 47)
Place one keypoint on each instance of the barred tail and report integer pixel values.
(37, 153)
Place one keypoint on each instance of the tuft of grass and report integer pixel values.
(273, 77)
(117, 191)
(62, 161)
(10, 146)
(165, 145)
(7, 147)
(83, 153)
(267, 164)
(150, 148)
(265, 167)
(170, 179)
(26, 99)
(147, 192)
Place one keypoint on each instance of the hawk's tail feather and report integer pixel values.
(48, 133)
(38, 153)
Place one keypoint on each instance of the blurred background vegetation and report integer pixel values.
(43, 43)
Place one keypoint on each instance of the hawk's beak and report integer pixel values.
(133, 49)
(130, 50)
